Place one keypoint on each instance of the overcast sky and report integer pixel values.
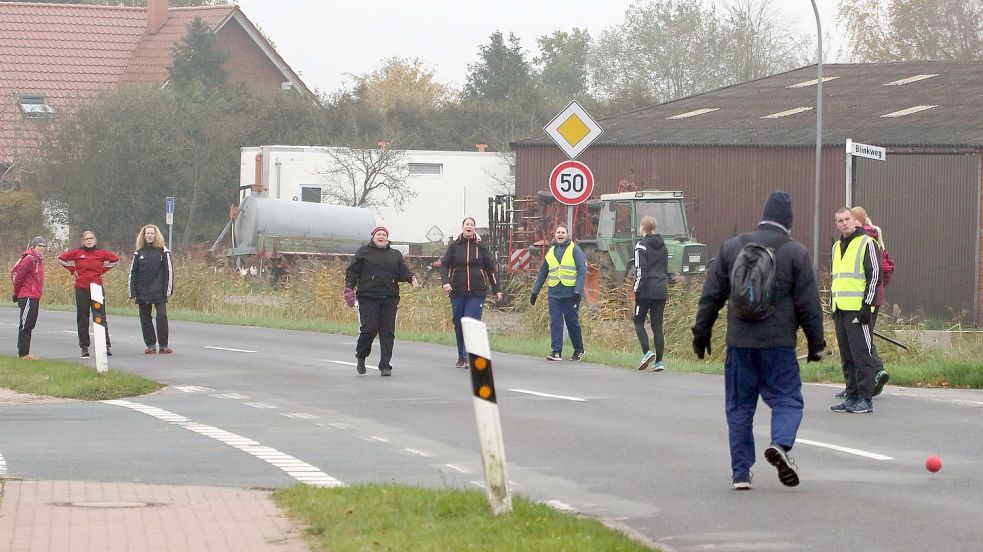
(325, 40)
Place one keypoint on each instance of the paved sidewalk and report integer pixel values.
(78, 516)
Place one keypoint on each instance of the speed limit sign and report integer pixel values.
(571, 182)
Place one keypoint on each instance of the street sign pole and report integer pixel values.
(169, 219)
(849, 172)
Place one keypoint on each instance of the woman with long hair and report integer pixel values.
(651, 292)
(151, 282)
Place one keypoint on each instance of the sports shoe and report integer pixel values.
(880, 380)
(165, 350)
(860, 406)
(776, 456)
(385, 372)
(360, 366)
(841, 395)
(461, 363)
(658, 367)
(150, 351)
(29, 356)
(85, 352)
(577, 356)
(842, 407)
(647, 358)
(555, 355)
(742, 482)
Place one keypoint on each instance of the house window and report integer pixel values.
(426, 169)
(35, 106)
(310, 194)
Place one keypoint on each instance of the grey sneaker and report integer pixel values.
(742, 482)
(360, 366)
(841, 395)
(776, 456)
(880, 380)
(461, 363)
(385, 372)
(647, 358)
(842, 406)
(555, 355)
(577, 356)
(860, 406)
(85, 352)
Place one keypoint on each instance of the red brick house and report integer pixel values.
(54, 56)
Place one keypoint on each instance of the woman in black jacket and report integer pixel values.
(651, 292)
(151, 282)
(375, 273)
(467, 270)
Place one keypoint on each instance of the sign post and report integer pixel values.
(573, 129)
(169, 219)
(856, 149)
(98, 307)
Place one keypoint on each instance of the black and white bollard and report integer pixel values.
(486, 415)
(99, 327)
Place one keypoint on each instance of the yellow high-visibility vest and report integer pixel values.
(849, 279)
(561, 271)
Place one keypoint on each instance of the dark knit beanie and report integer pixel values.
(778, 209)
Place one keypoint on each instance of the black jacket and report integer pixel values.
(651, 268)
(468, 268)
(151, 277)
(376, 272)
(796, 297)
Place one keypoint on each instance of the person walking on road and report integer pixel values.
(151, 282)
(651, 292)
(563, 271)
(761, 359)
(27, 277)
(467, 270)
(87, 263)
(855, 275)
(373, 279)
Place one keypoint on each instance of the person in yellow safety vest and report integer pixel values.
(856, 271)
(563, 271)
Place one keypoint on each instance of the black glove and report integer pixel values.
(701, 343)
(13, 298)
(816, 353)
(863, 316)
(532, 298)
(576, 298)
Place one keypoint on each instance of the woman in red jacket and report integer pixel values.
(27, 278)
(88, 263)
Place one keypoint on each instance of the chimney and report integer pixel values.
(383, 144)
(156, 15)
(481, 147)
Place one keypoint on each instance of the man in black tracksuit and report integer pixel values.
(375, 273)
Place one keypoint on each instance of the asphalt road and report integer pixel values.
(252, 407)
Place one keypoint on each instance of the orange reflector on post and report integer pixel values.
(97, 305)
(98, 320)
(480, 363)
(484, 392)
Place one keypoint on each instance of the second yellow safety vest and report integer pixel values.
(563, 271)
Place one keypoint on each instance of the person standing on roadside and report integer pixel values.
(855, 275)
(373, 278)
(651, 292)
(467, 270)
(27, 277)
(151, 282)
(761, 359)
(564, 270)
(87, 263)
(881, 375)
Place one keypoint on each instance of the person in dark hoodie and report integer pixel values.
(27, 277)
(87, 263)
(761, 357)
(373, 278)
(651, 292)
(563, 270)
(467, 270)
(151, 282)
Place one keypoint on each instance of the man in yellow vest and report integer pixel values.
(856, 271)
(563, 271)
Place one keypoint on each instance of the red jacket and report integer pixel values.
(28, 275)
(88, 265)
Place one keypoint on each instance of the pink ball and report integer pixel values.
(933, 463)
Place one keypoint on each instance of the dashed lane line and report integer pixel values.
(295, 468)
(548, 395)
(230, 349)
(3, 466)
(848, 450)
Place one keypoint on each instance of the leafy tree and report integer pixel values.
(908, 30)
(502, 72)
(403, 82)
(197, 61)
(21, 217)
(562, 63)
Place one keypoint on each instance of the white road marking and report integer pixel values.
(193, 389)
(417, 452)
(377, 439)
(549, 396)
(64, 331)
(295, 468)
(456, 468)
(259, 405)
(300, 416)
(561, 506)
(229, 396)
(342, 362)
(858, 452)
(3, 466)
(229, 349)
(339, 425)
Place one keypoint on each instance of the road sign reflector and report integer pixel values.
(484, 392)
(480, 363)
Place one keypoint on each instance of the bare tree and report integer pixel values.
(367, 178)
(910, 30)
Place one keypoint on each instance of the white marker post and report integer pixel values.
(99, 326)
(486, 415)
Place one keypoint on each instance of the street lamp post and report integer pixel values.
(819, 137)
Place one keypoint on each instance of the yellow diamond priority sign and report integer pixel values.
(573, 130)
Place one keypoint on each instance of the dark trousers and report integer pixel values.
(83, 306)
(855, 341)
(466, 306)
(656, 308)
(565, 309)
(774, 375)
(150, 337)
(28, 319)
(377, 317)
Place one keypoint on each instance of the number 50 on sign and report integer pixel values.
(571, 182)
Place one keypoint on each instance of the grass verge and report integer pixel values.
(70, 380)
(390, 517)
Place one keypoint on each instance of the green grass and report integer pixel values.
(70, 380)
(389, 517)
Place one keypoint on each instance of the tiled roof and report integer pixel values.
(153, 55)
(856, 99)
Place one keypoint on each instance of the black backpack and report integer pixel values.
(752, 282)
